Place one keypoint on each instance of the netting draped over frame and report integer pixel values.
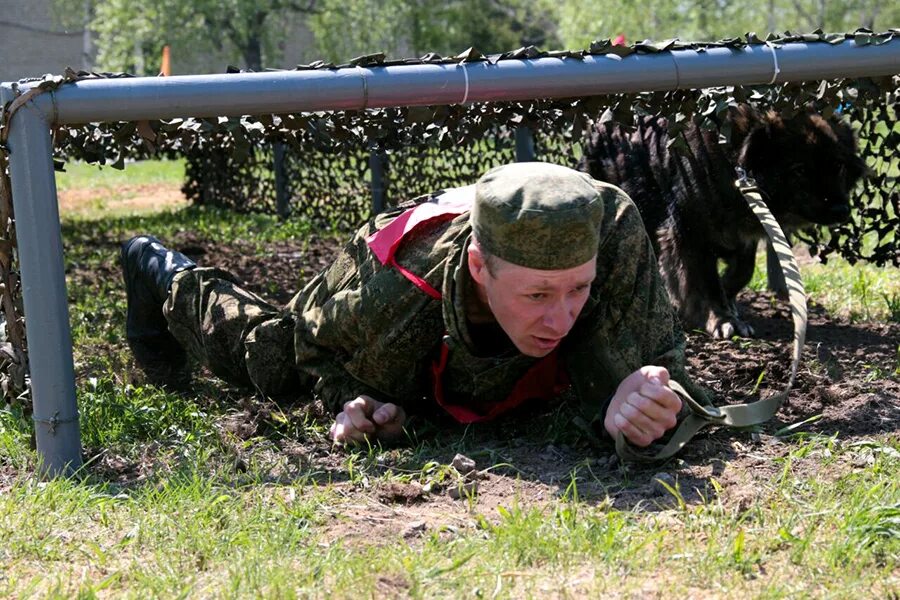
(331, 160)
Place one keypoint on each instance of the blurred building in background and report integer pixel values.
(32, 43)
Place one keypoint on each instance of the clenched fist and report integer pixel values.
(364, 418)
(644, 407)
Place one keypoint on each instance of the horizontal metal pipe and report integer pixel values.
(430, 84)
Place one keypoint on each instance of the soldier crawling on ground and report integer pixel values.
(534, 279)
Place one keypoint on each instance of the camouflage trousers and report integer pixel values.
(240, 337)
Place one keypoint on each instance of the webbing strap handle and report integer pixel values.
(754, 413)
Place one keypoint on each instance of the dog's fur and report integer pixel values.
(805, 166)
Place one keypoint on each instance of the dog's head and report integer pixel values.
(806, 165)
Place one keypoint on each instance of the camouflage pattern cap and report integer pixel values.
(537, 215)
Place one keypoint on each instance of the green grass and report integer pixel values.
(860, 292)
(207, 222)
(173, 505)
(81, 176)
(196, 534)
(92, 192)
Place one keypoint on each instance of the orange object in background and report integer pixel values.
(166, 69)
(619, 41)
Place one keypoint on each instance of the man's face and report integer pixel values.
(536, 308)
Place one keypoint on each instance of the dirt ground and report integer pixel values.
(128, 198)
(848, 378)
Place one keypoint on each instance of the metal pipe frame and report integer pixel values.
(43, 282)
(356, 88)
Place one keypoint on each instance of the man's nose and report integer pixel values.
(559, 317)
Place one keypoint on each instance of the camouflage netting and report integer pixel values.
(872, 231)
(328, 155)
(332, 186)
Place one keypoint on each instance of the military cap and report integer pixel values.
(537, 215)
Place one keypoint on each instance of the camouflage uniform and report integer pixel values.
(360, 327)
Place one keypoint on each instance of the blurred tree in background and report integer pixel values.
(347, 28)
(251, 33)
(581, 21)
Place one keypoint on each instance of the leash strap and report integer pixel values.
(754, 413)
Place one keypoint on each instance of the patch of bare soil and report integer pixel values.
(8, 474)
(287, 268)
(848, 377)
(136, 198)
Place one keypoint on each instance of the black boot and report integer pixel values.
(149, 268)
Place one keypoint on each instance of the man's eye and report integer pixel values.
(537, 296)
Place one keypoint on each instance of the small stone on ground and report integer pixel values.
(463, 464)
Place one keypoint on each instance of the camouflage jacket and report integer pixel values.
(363, 328)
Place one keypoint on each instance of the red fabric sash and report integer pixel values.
(544, 380)
(385, 242)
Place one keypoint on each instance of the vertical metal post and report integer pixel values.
(282, 200)
(377, 182)
(524, 144)
(44, 290)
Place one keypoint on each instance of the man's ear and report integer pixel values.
(477, 264)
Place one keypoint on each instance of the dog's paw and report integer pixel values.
(723, 328)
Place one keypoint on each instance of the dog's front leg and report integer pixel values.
(689, 269)
(739, 268)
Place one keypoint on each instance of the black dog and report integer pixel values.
(805, 166)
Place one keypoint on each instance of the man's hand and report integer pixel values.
(365, 417)
(643, 407)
